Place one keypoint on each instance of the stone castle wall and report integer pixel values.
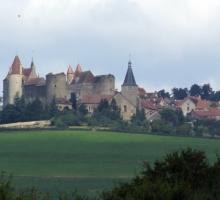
(56, 86)
(31, 92)
(105, 85)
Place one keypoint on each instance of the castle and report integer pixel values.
(89, 89)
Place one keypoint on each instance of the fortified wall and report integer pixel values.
(24, 81)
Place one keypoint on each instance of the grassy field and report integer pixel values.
(86, 160)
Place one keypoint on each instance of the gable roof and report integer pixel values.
(26, 71)
(212, 112)
(147, 104)
(129, 78)
(84, 77)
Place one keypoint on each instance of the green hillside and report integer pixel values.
(86, 160)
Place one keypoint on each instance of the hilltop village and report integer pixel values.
(90, 89)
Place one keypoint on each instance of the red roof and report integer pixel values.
(202, 104)
(212, 112)
(148, 105)
(26, 71)
(35, 81)
(16, 66)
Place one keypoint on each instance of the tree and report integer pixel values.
(216, 96)
(115, 113)
(83, 110)
(103, 105)
(195, 90)
(20, 106)
(35, 110)
(207, 92)
(73, 101)
(52, 108)
(163, 94)
(179, 93)
(169, 116)
(9, 114)
(181, 175)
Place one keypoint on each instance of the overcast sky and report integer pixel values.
(171, 42)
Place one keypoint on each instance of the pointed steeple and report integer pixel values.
(78, 70)
(70, 74)
(16, 67)
(70, 70)
(129, 78)
(32, 64)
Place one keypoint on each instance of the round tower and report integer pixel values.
(56, 86)
(13, 83)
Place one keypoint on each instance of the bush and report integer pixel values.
(183, 175)
(184, 129)
(160, 127)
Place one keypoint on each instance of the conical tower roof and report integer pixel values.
(70, 70)
(129, 78)
(78, 70)
(16, 67)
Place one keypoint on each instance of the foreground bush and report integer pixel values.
(184, 175)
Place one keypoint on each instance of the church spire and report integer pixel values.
(32, 63)
(129, 78)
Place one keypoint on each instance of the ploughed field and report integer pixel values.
(88, 161)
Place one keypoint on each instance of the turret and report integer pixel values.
(78, 70)
(70, 75)
(129, 88)
(12, 84)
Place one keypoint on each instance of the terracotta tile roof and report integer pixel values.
(202, 105)
(211, 113)
(94, 99)
(84, 77)
(147, 104)
(26, 71)
(35, 81)
(16, 66)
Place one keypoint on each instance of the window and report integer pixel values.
(125, 108)
(188, 108)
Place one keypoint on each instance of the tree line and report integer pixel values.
(22, 111)
(204, 91)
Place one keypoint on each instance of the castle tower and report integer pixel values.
(78, 70)
(70, 75)
(33, 73)
(129, 89)
(56, 87)
(12, 84)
